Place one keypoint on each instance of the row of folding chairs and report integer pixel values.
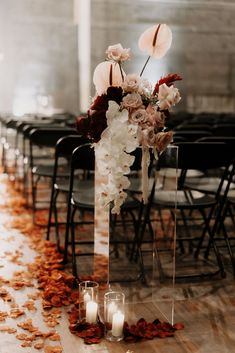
(70, 169)
(47, 152)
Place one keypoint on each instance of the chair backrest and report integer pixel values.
(83, 157)
(224, 130)
(206, 118)
(67, 144)
(204, 155)
(193, 127)
(192, 135)
(64, 149)
(226, 139)
(48, 136)
(45, 139)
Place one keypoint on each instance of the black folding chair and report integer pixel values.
(44, 140)
(64, 149)
(201, 156)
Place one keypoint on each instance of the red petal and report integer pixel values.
(178, 326)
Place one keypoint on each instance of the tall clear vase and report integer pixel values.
(101, 233)
(155, 297)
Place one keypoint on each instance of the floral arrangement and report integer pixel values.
(127, 113)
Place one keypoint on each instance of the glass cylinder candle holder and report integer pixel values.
(114, 315)
(88, 308)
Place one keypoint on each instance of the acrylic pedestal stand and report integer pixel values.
(154, 256)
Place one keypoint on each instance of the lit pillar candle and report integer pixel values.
(91, 312)
(117, 324)
(112, 308)
(86, 297)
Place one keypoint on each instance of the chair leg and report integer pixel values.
(229, 248)
(52, 205)
(67, 229)
(57, 233)
(220, 225)
(72, 227)
(138, 253)
(137, 233)
(34, 196)
(212, 242)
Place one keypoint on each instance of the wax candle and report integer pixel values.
(86, 297)
(117, 324)
(112, 308)
(91, 311)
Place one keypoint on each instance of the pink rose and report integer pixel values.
(132, 101)
(107, 74)
(147, 137)
(162, 140)
(117, 53)
(131, 83)
(168, 96)
(156, 118)
(139, 116)
(156, 40)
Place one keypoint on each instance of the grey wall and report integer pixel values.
(39, 42)
(203, 48)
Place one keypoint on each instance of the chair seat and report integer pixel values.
(169, 172)
(63, 185)
(206, 184)
(84, 199)
(136, 185)
(183, 199)
(47, 171)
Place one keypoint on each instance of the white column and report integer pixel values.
(82, 10)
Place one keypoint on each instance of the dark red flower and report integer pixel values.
(98, 123)
(102, 102)
(115, 94)
(82, 125)
(92, 125)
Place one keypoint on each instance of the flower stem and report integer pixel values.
(120, 67)
(146, 62)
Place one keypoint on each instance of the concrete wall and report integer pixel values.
(203, 48)
(39, 42)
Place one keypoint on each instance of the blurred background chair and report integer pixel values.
(189, 203)
(42, 142)
(60, 183)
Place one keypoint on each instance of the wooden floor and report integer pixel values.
(206, 308)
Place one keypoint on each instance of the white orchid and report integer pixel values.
(112, 151)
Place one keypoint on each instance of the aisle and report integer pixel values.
(35, 294)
